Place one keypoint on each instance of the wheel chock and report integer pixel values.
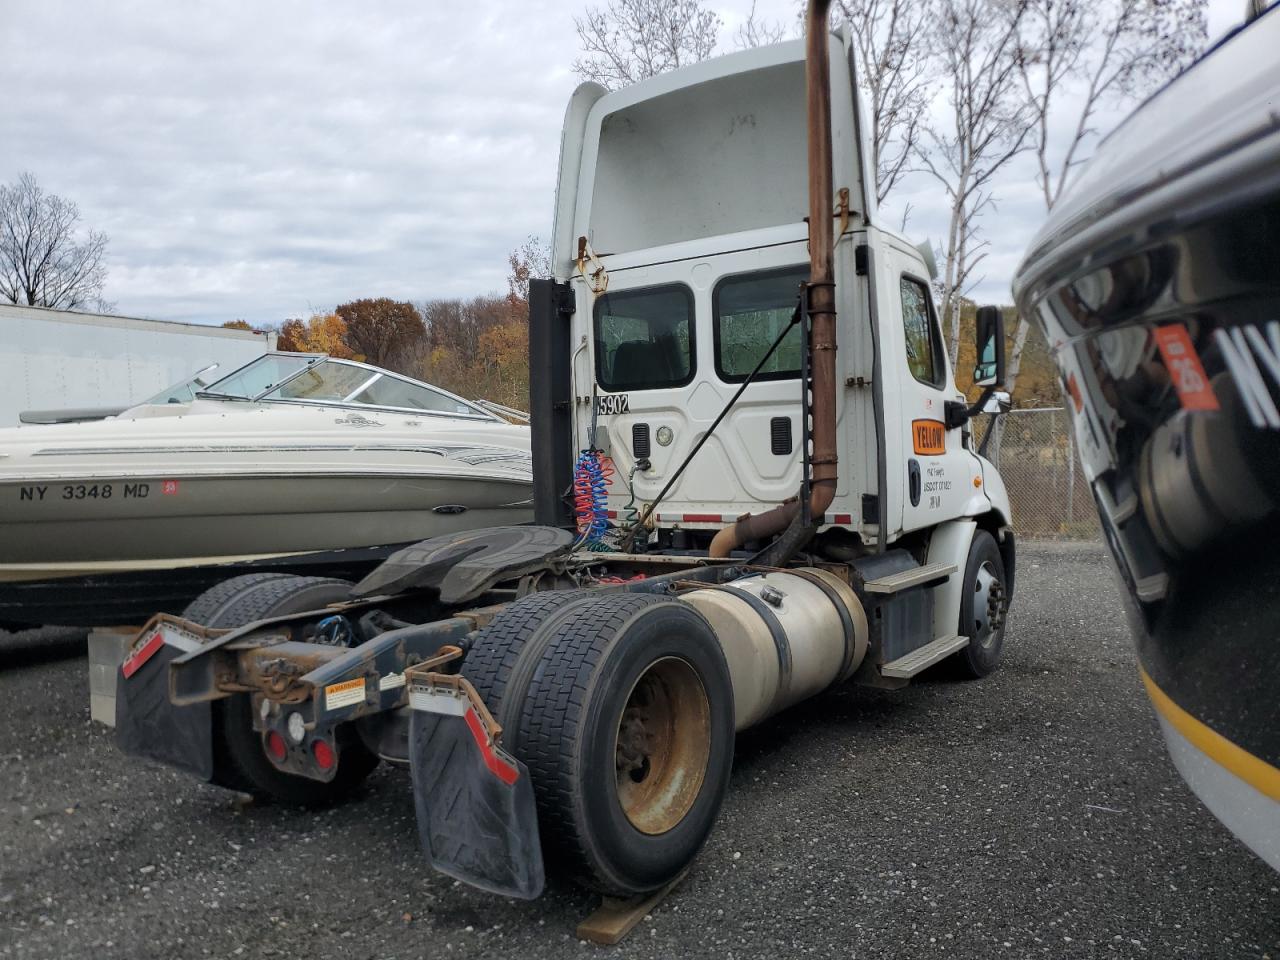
(616, 917)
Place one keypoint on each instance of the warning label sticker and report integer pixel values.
(339, 695)
(1185, 369)
(391, 681)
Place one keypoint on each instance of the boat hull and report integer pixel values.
(126, 517)
(1157, 284)
(129, 594)
(86, 525)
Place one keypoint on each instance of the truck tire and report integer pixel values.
(983, 604)
(239, 760)
(504, 654)
(627, 731)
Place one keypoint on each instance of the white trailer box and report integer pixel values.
(56, 359)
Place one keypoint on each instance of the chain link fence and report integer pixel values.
(1048, 492)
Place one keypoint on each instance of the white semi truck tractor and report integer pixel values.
(755, 479)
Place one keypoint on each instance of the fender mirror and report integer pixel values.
(989, 335)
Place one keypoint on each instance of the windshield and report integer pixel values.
(185, 390)
(304, 378)
(255, 378)
(334, 381)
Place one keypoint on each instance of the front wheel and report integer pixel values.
(983, 606)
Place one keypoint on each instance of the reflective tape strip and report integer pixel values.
(498, 766)
(143, 654)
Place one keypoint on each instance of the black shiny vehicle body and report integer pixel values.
(1157, 283)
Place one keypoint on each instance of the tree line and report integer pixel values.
(957, 89)
(476, 347)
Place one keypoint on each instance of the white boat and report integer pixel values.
(291, 456)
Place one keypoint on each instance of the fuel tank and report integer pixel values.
(786, 636)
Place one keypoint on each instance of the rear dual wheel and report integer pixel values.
(621, 707)
(240, 761)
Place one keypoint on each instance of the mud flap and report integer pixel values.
(476, 814)
(147, 724)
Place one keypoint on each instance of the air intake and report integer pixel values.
(640, 440)
(780, 436)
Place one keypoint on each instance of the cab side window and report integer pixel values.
(924, 344)
(751, 311)
(644, 338)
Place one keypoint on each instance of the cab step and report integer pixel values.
(927, 575)
(921, 658)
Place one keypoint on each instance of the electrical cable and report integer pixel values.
(631, 531)
(592, 476)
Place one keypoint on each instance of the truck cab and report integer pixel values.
(681, 236)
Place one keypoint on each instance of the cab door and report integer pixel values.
(936, 472)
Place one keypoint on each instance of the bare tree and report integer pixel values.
(986, 125)
(631, 40)
(1076, 57)
(896, 68)
(41, 261)
(1079, 55)
(529, 261)
(754, 32)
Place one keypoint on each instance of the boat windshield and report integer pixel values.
(334, 381)
(185, 391)
(303, 378)
(256, 378)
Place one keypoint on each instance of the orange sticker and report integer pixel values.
(1073, 388)
(169, 487)
(1185, 369)
(929, 437)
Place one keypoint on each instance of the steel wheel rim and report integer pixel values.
(662, 746)
(988, 605)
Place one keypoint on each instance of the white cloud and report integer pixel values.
(256, 160)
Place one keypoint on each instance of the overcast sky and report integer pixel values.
(260, 160)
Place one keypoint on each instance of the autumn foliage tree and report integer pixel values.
(476, 347)
(383, 331)
(319, 333)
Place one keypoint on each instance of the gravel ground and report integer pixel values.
(1031, 814)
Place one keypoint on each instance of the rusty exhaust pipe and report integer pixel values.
(821, 294)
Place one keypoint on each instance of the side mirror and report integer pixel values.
(1000, 402)
(989, 329)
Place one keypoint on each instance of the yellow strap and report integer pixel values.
(1252, 770)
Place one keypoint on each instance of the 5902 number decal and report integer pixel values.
(613, 403)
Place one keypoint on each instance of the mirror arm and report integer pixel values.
(991, 428)
(958, 414)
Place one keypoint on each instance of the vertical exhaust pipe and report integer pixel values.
(787, 518)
